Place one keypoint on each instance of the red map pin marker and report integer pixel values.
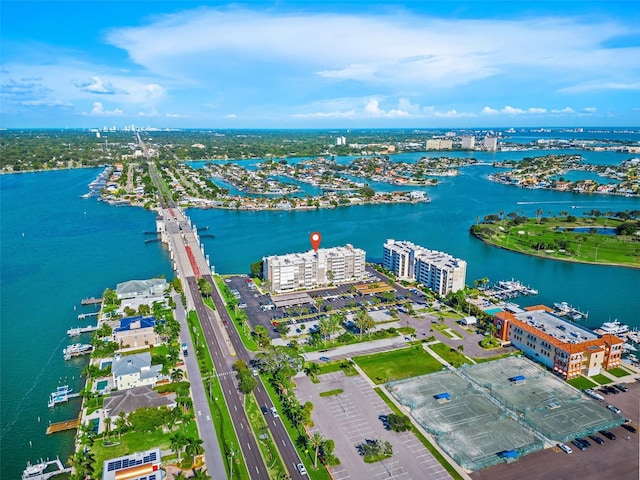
(315, 240)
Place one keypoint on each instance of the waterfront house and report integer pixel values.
(134, 371)
(127, 401)
(152, 287)
(136, 332)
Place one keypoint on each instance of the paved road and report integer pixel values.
(215, 462)
(278, 431)
(235, 400)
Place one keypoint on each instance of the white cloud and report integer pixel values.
(396, 49)
(99, 111)
(602, 85)
(98, 86)
(567, 110)
(231, 115)
(590, 109)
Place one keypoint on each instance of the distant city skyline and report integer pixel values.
(313, 64)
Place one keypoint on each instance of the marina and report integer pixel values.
(505, 289)
(76, 350)
(564, 309)
(44, 470)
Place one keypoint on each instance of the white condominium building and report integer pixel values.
(295, 271)
(490, 143)
(438, 271)
(468, 142)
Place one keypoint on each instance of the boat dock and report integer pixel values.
(91, 301)
(74, 332)
(82, 316)
(62, 426)
(76, 350)
(39, 470)
(505, 289)
(564, 309)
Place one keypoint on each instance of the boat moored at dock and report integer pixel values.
(613, 328)
(77, 349)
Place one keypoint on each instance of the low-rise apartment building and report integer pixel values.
(566, 348)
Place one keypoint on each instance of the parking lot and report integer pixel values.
(261, 309)
(352, 417)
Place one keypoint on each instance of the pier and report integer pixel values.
(39, 471)
(506, 289)
(91, 301)
(82, 316)
(62, 426)
(74, 332)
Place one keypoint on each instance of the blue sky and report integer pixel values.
(319, 64)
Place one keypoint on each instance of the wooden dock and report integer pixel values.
(62, 426)
(91, 301)
(82, 316)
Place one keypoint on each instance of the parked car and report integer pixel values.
(620, 387)
(596, 439)
(614, 409)
(325, 359)
(629, 427)
(606, 433)
(578, 444)
(565, 448)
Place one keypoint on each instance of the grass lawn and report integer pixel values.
(454, 357)
(497, 357)
(618, 372)
(265, 440)
(601, 379)
(582, 383)
(550, 238)
(219, 410)
(398, 364)
(133, 442)
(306, 456)
(336, 366)
(330, 393)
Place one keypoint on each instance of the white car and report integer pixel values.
(274, 412)
(565, 448)
(301, 469)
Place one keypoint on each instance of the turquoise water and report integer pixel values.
(56, 249)
(74, 248)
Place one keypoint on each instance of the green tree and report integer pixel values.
(364, 322)
(177, 375)
(177, 441)
(316, 442)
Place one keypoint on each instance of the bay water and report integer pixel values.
(57, 248)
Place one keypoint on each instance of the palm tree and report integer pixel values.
(193, 446)
(200, 474)
(316, 442)
(177, 442)
(107, 426)
(364, 322)
(179, 476)
(177, 375)
(121, 424)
